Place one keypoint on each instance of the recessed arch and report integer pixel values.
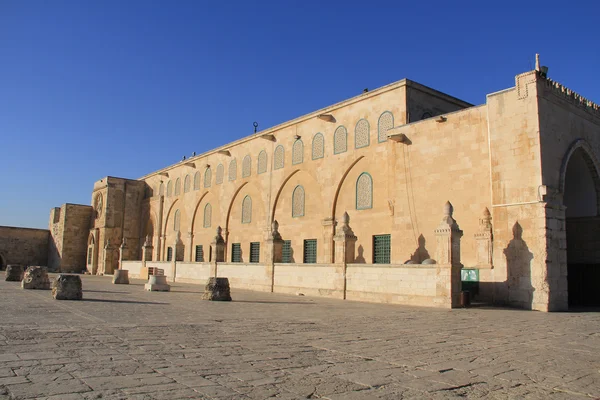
(196, 209)
(588, 154)
(166, 223)
(339, 186)
(279, 193)
(231, 204)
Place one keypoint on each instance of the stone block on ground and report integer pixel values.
(121, 277)
(67, 287)
(14, 273)
(157, 283)
(217, 289)
(36, 277)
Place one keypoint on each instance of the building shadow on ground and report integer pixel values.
(124, 302)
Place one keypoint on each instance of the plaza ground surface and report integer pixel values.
(121, 342)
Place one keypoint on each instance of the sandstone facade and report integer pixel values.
(521, 172)
(24, 246)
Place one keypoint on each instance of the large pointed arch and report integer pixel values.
(196, 209)
(166, 221)
(231, 204)
(279, 193)
(588, 155)
(339, 186)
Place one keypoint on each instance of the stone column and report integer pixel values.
(273, 251)
(146, 256)
(328, 233)
(177, 253)
(448, 236)
(484, 239)
(218, 251)
(345, 242)
(122, 250)
(107, 259)
(190, 245)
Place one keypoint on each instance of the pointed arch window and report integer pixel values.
(246, 210)
(340, 140)
(186, 184)
(298, 201)
(177, 187)
(207, 177)
(385, 123)
(362, 134)
(246, 166)
(197, 180)
(176, 220)
(220, 173)
(318, 146)
(233, 170)
(170, 189)
(278, 157)
(262, 162)
(364, 191)
(207, 216)
(298, 152)
(161, 189)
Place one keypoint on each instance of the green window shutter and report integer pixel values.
(254, 252)
(90, 255)
(286, 251)
(199, 253)
(381, 249)
(169, 253)
(310, 251)
(236, 252)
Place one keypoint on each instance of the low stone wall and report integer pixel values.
(246, 276)
(310, 279)
(23, 246)
(192, 272)
(166, 266)
(134, 268)
(404, 284)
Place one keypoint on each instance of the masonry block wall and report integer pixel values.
(69, 227)
(24, 246)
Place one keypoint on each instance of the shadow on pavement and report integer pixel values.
(125, 301)
(275, 302)
(103, 291)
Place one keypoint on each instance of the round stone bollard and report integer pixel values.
(14, 273)
(217, 289)
(67, 287)
(36, 278)
(157, 283)
(121, 277)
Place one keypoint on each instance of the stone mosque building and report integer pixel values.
(390, 196)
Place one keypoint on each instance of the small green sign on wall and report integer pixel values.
(469, 275)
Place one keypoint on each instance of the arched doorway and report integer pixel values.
(581, 196)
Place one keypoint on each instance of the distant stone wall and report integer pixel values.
(69, 227)
(23, 246)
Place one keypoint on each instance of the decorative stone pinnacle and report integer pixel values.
(219, 231)
(486, 213)
(148, 241)
(448, 210)
(346, 218)
(275, 227)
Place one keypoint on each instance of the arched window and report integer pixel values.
(161, 189)
(298, 152)
(362, 134)
(186, 184)
(197, 180)
(169, 189)
(220, 173)
(176, 220)
(385, 123)
(246, 210)
(318, 146)
(177, 187)
(278, 157)
(340, 140)
(364, 192)
(262, 162)
(233, 170)
(298, 201)
(207, 177)
(246, 167)
(207, 215)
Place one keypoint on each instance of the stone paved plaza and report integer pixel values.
(121, 342)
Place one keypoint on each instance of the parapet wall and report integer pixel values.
(24, 246)
(574, 98)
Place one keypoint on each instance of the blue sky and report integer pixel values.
(122, 88)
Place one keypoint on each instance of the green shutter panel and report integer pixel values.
(310, 251)
(199, 253)
(254, 252)
(286, 251)
(236, 252)
(169, 253)
(381, 249)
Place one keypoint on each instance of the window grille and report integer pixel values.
(246, 210)
(262, 162)
(233, 170)
(254, 252)
(169, 253)
(340, 140)
(199, 253)
(298, 201)
(364, 192)
(381, 249)
(246, 167)
(278, 157)
(186, 184)
(207, 216)
(220, 173)
(385, 123)
(207, 177)
(177, 187)
(297, 152)
(310, 251)
(197, 180)
(286, 251)
(236, 252)
(318, 146)
(90, 255)
(361, 134)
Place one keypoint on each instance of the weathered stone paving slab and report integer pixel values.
(121, 342)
